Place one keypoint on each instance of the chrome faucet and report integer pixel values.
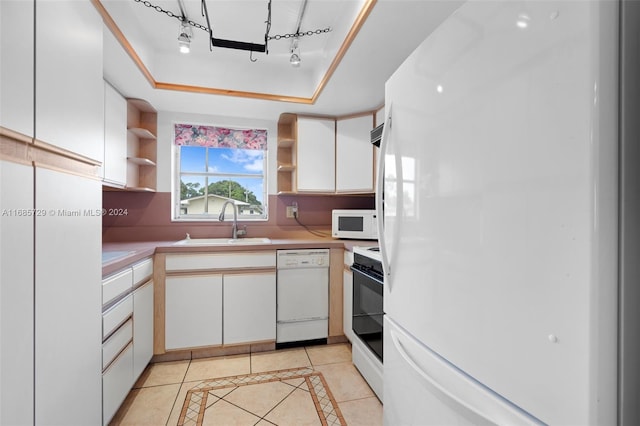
(234, 229)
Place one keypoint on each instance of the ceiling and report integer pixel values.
(342, 71)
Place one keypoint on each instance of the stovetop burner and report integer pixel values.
(370, 252)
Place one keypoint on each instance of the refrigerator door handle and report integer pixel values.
(502, 411)
(386, 267)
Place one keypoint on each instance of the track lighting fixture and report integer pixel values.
(184, 39)
(295, 53)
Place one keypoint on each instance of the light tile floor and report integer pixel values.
(159, 395)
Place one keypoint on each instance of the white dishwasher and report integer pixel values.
(302, 295)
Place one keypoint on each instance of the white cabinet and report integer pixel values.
(354, 155)
(249, 307)
(325, 155)
(69, 85)
(68, 299)
(114, 168)
(16, 67)
(214, 299)
(16, 293)
(117, 380)
(193, 311)
(142, 328)
(316, 155)
(127, 331)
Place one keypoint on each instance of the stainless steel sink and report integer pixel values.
(221, 241)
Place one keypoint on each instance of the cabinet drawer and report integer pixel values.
(116, 315)
(142, 271)
(116, 383)
(116, 285)
(185, 262)
(116, 342)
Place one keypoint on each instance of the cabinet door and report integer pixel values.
(16, 293)
(69, 85)
(193, 310)
(142, 328)
(68, 299)
(114, 168)
(354, 155)
(249, 307)
(316, 155)
(16, 65)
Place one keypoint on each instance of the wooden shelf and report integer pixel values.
(286, 143)
(142, 146)
(139, 189)
(141, 161)
(286, 168)
(286, 156)
(142, 133)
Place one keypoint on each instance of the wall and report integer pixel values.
(148, 217)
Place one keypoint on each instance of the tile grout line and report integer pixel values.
(178, 393)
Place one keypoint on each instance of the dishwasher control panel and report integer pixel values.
(294, 259)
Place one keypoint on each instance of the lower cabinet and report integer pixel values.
(127, 332)
(217, 299)
(142, 328)
(193, 311)
(117, 380)
(216, 309)
(249, 307)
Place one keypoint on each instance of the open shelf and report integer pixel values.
(142, 125)
(141, 161)
(287, 139)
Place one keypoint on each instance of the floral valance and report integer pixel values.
(220, 137)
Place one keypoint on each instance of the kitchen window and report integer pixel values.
(218, 164)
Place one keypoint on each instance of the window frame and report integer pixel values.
(177, 174)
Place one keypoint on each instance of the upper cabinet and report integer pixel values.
(142, 128)
(114, 167)
(354, 155)
(68, 77)
(324, 155)
(316, 150)
(16, 66)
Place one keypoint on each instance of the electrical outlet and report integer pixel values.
(292, 211)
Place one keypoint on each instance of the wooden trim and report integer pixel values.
(231, 271)
(336, 265)
(353, 32)
(115, 30)
(15, 147)
(235, 93)
(358, 115)
(159, 276)
(355, 29)
(18, 148)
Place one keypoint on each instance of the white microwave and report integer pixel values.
(355, 224)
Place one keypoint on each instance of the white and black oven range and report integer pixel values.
(368, 298)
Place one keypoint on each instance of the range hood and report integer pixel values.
(376, 135)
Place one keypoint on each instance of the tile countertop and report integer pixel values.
(120, 255)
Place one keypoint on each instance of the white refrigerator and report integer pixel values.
(498, 185)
